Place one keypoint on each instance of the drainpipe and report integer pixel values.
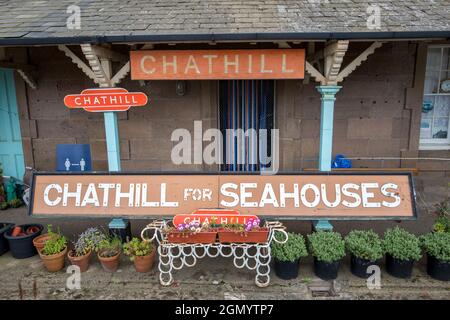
(328, 96)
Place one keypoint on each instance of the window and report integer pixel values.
(435, 121)
(246, 105)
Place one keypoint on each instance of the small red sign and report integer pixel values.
(207, 215)
(105, 99)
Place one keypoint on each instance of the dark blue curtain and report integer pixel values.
(245, 104)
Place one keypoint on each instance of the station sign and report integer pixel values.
(105, 100)
(217, 64)
(303, 196)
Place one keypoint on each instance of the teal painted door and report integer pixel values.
(11, 152)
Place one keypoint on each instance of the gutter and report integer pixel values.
(224, 37)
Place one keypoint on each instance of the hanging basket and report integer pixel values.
(191, 237)
(254, 236)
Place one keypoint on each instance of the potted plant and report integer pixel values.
(287, 256)
(442, 223)
(141, 252)
(20, 240)
(366, 248)
(251, 232)
(88, 242)
(402, 250)
(54, 251)
(4, 228)
(192, 232)
(437, 247)
(109, 253)
(328, 249)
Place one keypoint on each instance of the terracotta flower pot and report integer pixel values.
(82, 262)
(109, 264)
(39, 242)
(255, 236)
(54, 262)
(144, 263)
(188, 237)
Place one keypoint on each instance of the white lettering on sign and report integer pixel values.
(244, 194)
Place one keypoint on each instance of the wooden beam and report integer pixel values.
(80, 63)
(357, 62)
(334, 56)
(314, 73)
(27, 78)
(122, 73)
(96, 65)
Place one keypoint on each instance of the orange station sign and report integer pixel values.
(217, 64)
(208, 215)
(105, 99)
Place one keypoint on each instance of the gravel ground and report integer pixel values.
(211, 278)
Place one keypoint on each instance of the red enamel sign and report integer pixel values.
(105, 99)
(222, 216)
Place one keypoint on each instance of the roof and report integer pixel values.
(45, 21)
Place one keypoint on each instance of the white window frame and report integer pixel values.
(436, 144)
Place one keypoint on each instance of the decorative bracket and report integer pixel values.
(24, 70)
(97, 58)
(334, 55)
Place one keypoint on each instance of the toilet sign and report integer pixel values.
(105, 100)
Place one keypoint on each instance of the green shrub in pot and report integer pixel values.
(365, 248)
(437, 247)
(287, 255)
(402, 249)
(293, 249)
(328, 249)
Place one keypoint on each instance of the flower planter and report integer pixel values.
(22, 246)
(228, 236)
(286, 270)
(4, 228)
(188, 237)
(399, 268)
(54, 262)
(109, 264)
(144, 263)
(82, 262)
(359, 266)
(39, 241)
(438, 269)
(326, 270)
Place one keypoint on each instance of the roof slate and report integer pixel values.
(47, 19)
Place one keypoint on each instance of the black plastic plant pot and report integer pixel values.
(326, 270)
(438, 269)
(22, 247)
(359, 266)
(399, 268)
(4, 246)
(286, 270)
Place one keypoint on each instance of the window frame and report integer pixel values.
(430, 143)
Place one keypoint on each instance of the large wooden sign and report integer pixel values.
(306, 196)
(105, 99)
(217, 64)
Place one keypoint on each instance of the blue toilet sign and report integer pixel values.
(73, 157)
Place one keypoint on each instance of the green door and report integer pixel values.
(11, 152)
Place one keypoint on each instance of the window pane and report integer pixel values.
(432, 82)
(428, 106)
(440, 128)
(445, 59)
(442, 108)
(433, 59)
(425, 129)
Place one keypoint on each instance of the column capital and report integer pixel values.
(328, 92)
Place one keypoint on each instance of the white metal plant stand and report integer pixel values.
(175, 256)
